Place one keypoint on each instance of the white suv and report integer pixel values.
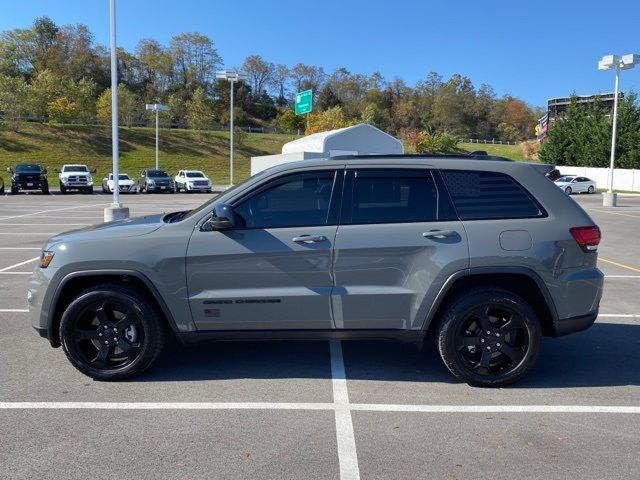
(75, 177)
(192, 181)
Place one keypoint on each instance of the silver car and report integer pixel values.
(483, 255)
(575, 184)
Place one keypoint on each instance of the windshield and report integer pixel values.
(28, 168)
(195, 175)
(566, 178)
(157, 174)
(75, 168)
(122, 176)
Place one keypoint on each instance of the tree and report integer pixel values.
(129, 106)
(374, 116)
(44, 89)
(259, 72)
(13, 99)
(328, 120)
(83, 95)
(307, 77)
(279, 82)
(62, 110)
(195, 60)
(290, 122)
(199, 111)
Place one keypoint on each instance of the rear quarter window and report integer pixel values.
(480, 195)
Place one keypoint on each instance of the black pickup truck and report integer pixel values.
(28, 176)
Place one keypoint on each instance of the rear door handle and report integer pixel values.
(440, 233)
(309, 239)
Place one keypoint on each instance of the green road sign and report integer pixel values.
(304, 102)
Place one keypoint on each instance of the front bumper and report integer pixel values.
(30, 184)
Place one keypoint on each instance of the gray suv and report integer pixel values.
(483, 255)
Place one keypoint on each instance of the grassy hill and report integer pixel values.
(55, 145)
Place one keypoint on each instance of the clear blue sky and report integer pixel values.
(534, 50)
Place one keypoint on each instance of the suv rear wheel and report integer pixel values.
(110, 332)
(489, 337)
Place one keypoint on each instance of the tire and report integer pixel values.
(142, 343)
(146, 190)
(14, 190)
(568, 190)
(2, 190)
(89, 191)
(510, 351)
(62, 189)
(45, 189)
(590, 189)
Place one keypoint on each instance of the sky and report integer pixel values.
(532, 50)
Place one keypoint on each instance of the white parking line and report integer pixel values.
(14, 310)
(19, 248)
(16, 273)
(26, 233)
(53, 210)
(359, 407)
(620, 315)
(622, 276)
(347, 454)
(19, 264)
(38, 224)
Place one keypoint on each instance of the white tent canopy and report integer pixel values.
(361, 139)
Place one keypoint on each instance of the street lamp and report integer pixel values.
(115, 211)
(617, 62)
(156, 107)
(232, 76)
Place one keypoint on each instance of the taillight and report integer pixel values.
(587, 237)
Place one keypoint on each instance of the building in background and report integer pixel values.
(557, 106)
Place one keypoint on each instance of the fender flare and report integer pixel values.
(52, 335)
(448, 284)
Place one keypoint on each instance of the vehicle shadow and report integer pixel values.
(604, 355)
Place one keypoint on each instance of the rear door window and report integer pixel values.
(391, 196)
(487, 195)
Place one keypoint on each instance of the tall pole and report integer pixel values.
(114, 105)
(615, 129)
(231, 139)
(157, 142)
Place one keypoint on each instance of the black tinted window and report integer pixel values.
(478, 195)
(393, 197)
(294, 200)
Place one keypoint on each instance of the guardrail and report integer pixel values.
(493, 141)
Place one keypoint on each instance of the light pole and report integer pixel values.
(115, 211)
(232, 76)
(617, 63)
(156, 107)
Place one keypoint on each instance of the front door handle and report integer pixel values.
(309, 239)
(440, 233)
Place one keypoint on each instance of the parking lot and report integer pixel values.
(279, 410)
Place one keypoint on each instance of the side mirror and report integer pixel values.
(93, 170)
(9, 169)
(222, 217)
(44, 170)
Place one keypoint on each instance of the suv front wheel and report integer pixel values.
(489, 337)
(110, 332)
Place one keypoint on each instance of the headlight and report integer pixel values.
(45, 258)
(151, 182)
(89, 179)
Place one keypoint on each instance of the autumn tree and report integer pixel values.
(62, 110)
(199, 112)
(259, 73)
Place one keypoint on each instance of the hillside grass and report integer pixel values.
(55, 145)
(510, 151)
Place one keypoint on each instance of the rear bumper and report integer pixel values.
(574, 324)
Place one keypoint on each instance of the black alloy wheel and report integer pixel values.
(111, 332)
(489, 337)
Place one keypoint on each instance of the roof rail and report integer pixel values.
(477, 155)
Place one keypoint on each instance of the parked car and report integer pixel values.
(75, 177)
(408, 248)
(28, 176)
(192, 181)
(125, 184)
(575, 184)
(155, 181)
